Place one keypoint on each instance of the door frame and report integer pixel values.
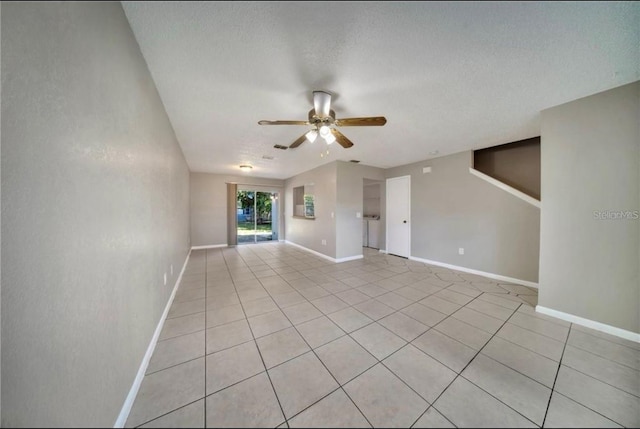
(389, 217)
(275, 207)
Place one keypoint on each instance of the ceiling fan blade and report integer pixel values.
(283, 123)
(298, 142)
(355, 122)
(341, 139)
(322, 103)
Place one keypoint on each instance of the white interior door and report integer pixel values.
(399, 216)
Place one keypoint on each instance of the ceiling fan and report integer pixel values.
(323, 120)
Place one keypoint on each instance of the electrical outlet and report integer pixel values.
(461, 251)
(171, 269)
(332, 215)
(165, 279)
(358, 214)
(324, 242)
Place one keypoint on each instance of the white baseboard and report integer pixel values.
(607, 329)
(131, 397)
(477, 272)
(349, 258)
(322, 255)
(382, 250)
(211, 246)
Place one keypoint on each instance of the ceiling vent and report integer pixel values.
(355, 161)
(279, 146)
(267, 157)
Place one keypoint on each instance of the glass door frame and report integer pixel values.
(274, 214)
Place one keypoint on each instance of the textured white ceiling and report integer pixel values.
(448, 76)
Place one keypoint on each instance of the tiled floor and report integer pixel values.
(268, 335)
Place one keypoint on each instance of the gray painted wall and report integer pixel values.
(310, 233)
(451, 208)
(591, 163)
(209, 204)
(350, 200)
(95, 208)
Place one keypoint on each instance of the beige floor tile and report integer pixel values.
(179, 309)
(165, 391)
(610, 372)
(281, 346)
(403, 326)
(463, 332)
(224, 315)
(232, 365)
(319, 331)
(394, 300)
(540, 326)
(301, 382)
(531, 364)
(259, 306)
(374, 309)
(490, 309)
(353, 296)
(479, 320)
(378, 340)
(384, 399)
(248, 404)
(424, 314)
(454, 297)
(466, 405)
(189, 416)
(605, 349)
(183, 295)
(445, 350)
(428, 377)
(521, 393)
(334, 411)
(345, 358)
(349, 319)
(268, 323)
(433, 419)
(182, 325)
(329, 304)
(530, 340)
(440, 305)
(372, 290)
(177, 350)
(229, 335)
(565, 413)
(301, 313)
(612, 403)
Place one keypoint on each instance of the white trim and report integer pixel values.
(608, 329)
(478, 272)
(386, 224)
(128, 403)
(505, 187)
(382, 250)
(211, 246)
(322, 255)
(349, 258)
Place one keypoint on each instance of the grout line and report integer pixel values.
(206, 266)
(553, 388)
(284, 416)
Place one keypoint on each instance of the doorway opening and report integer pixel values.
(257, 215)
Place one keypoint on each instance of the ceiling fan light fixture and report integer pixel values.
(330, 138)
(246, 167)
(325, 131)
(311, 135)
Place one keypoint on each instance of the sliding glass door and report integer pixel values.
(257, 216)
